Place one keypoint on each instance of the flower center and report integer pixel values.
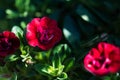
(45, 37)
(98, 62)
(5, 44)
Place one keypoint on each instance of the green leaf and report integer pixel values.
(106, 78)
(11, 14)
(4, 69)
(63, 76)
(25, 49)
(11, 58)
(4, 73)
(24, 3)
(69, 63)
(67, 48)
(23, 24)
(43, 55)
(40, 56)
(1, 78)
(60, 69)
(14, 77)
(45, 69)
(18, 31)
(63, 50)
(58, 49)
(48, 70)
(56, 61)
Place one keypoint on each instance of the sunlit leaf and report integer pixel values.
(18, 31)
(45, 69)
(63, 76)
(11, 58)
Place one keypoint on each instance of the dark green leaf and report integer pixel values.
(14, 77)
(55, 15)
(69, 63)
(56, 61)
(70, 32)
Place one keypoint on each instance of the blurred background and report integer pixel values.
(83, 22)
(83, 18)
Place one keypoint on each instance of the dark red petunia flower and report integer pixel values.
(103, 59)
(8, 43)
(43, 33)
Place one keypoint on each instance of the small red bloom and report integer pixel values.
(8, 43)
(103, 59)
(43, 33)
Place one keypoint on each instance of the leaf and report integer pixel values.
(24, 3)
(60, 69)
(11, 58)
(1, 78)
(67, 49)
(58, 49)
(14, 77)
(4, 73)
(48, 70)
(63, 76)
(45, 69)
(56, 61)
(86, 15)
(71, 33)
(63, 50)
(106, 78)
(18, 31)
(69, 63)
(43, 56)
(11, 14)
(23, 24)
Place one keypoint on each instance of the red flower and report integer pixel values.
(8, 43)
(103, 59)
(43, 33)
